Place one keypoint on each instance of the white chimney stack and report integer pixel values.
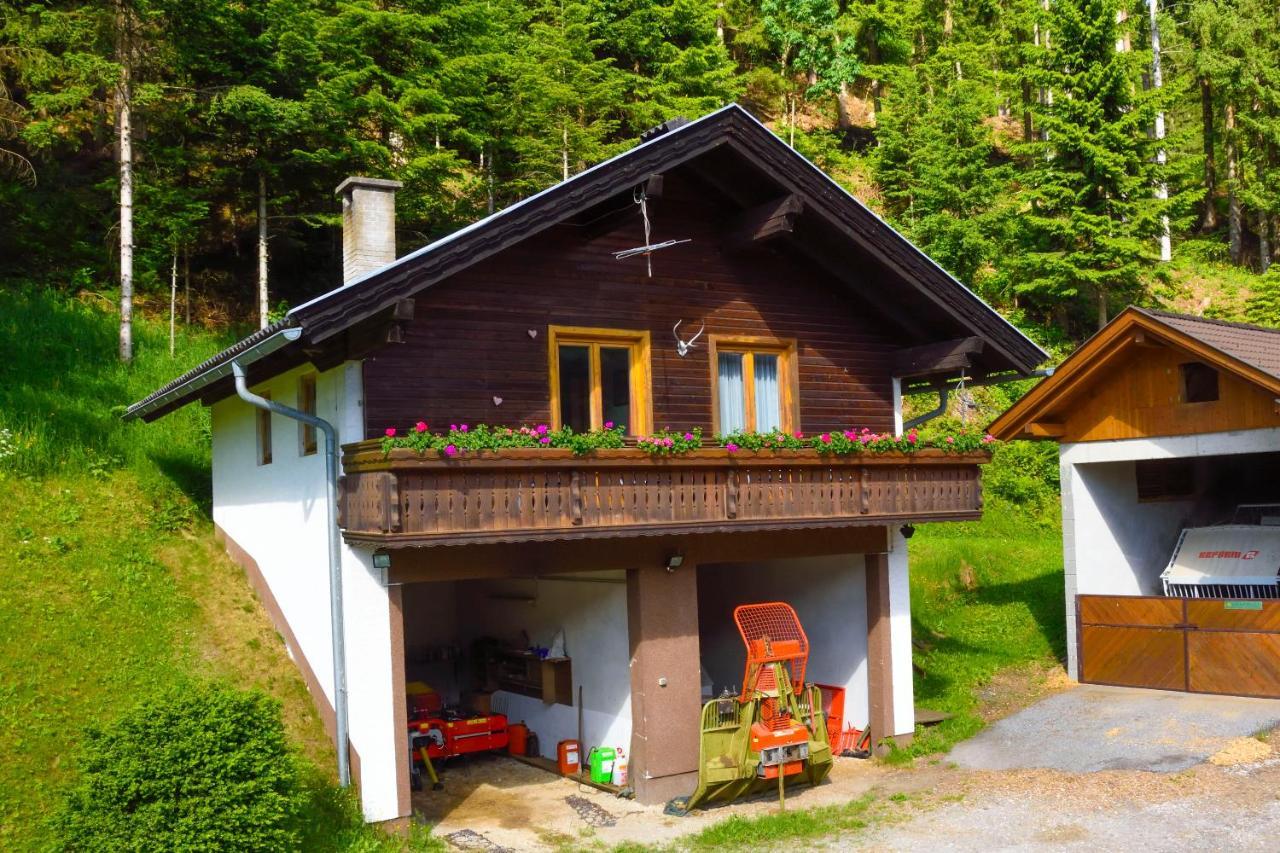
(368, 225)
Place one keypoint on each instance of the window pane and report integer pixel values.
(768, 398)
(615, 385)
(575, 387)
(730, 392)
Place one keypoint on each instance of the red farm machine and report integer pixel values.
(775, 732)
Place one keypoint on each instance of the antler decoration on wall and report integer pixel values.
(683, 347)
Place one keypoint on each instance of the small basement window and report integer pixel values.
(264, 432)
(307, 405)
(1165, 479)
(1199, 383)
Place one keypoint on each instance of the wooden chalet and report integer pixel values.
(815, 315)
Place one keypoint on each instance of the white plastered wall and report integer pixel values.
(277, 514)
(829, 595)
(591, 609)
(904, 706)
(1111, 543)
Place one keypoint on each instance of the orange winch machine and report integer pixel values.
(774, 731)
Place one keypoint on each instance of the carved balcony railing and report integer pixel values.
(404, 499)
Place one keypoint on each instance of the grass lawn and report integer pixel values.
(114, 585)
(986, 598)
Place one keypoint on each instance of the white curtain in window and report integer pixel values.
(733, 414)
(768, 399)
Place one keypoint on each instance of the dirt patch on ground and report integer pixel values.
(1242, 750)
(1014, 689)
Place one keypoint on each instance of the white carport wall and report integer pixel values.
(273, 520)
(1111, 543)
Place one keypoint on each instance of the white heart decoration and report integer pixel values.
(533, 333)
(497, 401)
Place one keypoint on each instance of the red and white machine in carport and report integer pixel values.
(436, 733)
(1237, 560)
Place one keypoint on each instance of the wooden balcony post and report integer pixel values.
(888, 614)
(666, 685)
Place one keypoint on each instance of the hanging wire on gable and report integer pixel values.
(639, 197)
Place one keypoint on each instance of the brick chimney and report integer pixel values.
(368, 225)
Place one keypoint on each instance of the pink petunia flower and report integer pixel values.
(608, 424)
(799, 434)
(453, 427)
(987, 439)
(391, 431)
(688, 436)
(541, 429)
(911, 437)
(950, 440)
(420, 426)
(546, 439)
(826, 438)
(450, 450)
(731, 447)
(463, 428)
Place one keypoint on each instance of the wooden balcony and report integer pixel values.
(407, 500)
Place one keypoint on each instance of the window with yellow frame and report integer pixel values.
(753, 384)
(598, 377)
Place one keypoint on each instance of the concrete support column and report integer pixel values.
(666, 684)
(889, 677)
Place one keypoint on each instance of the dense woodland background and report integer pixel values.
(1014, 140)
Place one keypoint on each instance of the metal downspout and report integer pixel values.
(335, 558)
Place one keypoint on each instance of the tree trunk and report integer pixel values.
(1102, 307)
(263, 308)
(1027, 126)
(1208, 219)
(173, 302)
(124, 130)
(1264, 243)
(186, 282)
(843, 119)
(1157, 82)
(564, 149)
(1235, 212)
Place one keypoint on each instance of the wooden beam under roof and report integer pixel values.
(764, 222)
(931, 359)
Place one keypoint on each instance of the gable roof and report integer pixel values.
(1246, 350)
(1247, 343)
(730, 129)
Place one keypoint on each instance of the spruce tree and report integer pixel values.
(1088, 219)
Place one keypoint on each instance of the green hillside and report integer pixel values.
(114, 586)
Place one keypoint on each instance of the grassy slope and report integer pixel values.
(114, 585)
(1004, 610)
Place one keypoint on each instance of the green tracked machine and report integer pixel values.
(774, 733)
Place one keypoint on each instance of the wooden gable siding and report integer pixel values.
(482, 335)
(1140, 396)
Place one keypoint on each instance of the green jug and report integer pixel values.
(600, 760)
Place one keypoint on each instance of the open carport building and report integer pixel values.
(1169, 433)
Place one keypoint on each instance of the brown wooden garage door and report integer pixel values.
(1208, 645)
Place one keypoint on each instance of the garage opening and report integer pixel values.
(829, 596)
(549, 654)
(1130, 514)
(1177, 565)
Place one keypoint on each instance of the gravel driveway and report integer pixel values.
(1101, 769)
(1095, 728)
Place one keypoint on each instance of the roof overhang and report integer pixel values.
(251, 349)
